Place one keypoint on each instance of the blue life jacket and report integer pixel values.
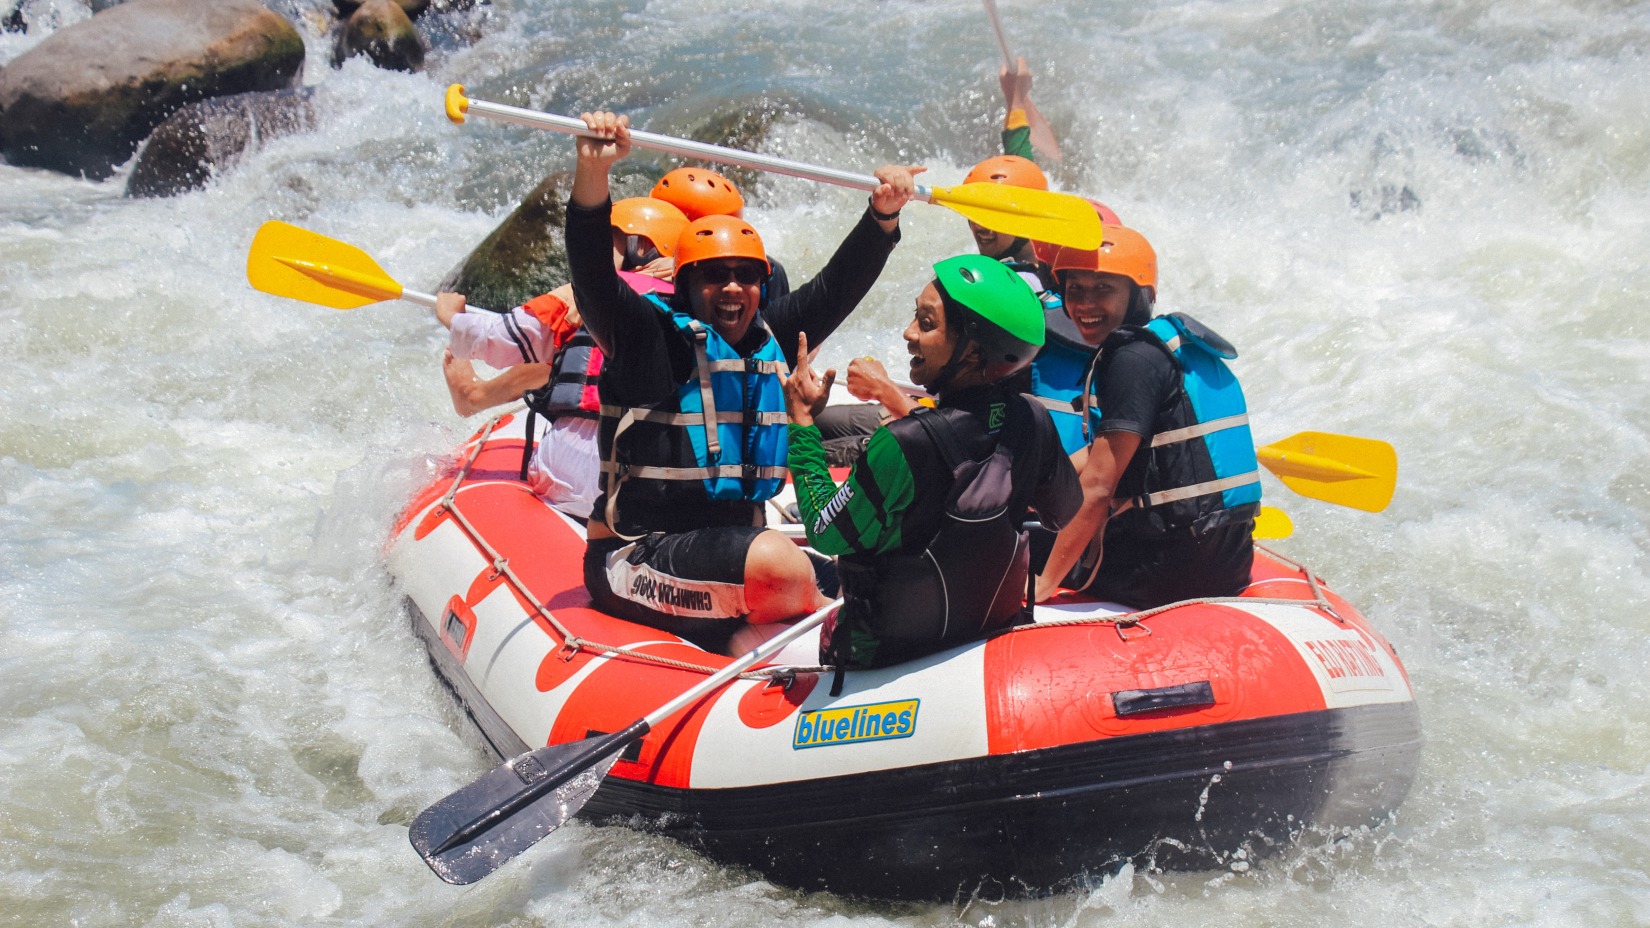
(1059, 375)
(1203, 473)
(723, 435)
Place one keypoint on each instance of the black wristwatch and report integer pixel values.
(880, 216)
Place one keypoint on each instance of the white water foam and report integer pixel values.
(1419, 223)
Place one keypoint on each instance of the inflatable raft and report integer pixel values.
(1177, 736)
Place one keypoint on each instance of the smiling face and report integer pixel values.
(928, 340)
(1095, 302)
(724, 293)
(996, 244)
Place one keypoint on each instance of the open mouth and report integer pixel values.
(729, 313)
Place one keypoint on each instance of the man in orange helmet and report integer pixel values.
(551, 361)
(693, 425)
(700, 192)
(1167, 463)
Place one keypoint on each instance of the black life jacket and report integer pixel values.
(972, 577)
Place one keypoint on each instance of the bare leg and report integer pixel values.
(779, 580)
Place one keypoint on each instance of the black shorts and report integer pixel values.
(1146, 573)
(687, 583)
(846, 429)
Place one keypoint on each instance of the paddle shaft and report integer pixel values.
(687, 149)
(419, 297)
(997, 27)
(606, 745)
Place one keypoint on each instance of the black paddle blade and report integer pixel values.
(476, 829)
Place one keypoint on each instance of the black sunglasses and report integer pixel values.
(718, 275)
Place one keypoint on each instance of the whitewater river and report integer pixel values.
(1426, 223)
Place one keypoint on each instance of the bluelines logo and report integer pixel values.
(850, 724)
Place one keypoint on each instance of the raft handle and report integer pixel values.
(1183, 696)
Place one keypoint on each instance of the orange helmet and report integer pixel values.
(1124, 251)
(718, 237)
(1012, 170)
(655, 220)
(698, 192)
(1046, 251)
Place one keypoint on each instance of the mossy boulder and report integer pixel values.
(82, 100)
(527, 254)
(522, 258)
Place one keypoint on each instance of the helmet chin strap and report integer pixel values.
(952, 366)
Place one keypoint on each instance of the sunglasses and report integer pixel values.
(718, 275)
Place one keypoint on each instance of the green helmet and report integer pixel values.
(1003, 316)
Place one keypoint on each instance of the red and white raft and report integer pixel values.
(1014, 764)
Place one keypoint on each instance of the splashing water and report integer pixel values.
(1424, 223)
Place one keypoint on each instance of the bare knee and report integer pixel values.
(779, 580)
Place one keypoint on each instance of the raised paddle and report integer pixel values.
(1042, 137)
(1035, 214)
(1360, 473)
(289, 261)
(475, 830)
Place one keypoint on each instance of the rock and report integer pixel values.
(744, 123)
(82, 100)
(413, 8)
(522, 258)
(527, 254)
(14, 21)
(204, 137)
(381, 30)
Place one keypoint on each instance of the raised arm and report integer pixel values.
(819, 306)
(615, 316)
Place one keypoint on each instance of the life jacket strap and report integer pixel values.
(1199, 430)
(1069, 407)
(714, 472)
(1197, 489)
(615, 475)
(707, 396)
(661, 417)
(527, 446)
(748, 366)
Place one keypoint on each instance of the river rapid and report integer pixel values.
(1419, 222)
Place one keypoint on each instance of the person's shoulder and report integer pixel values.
(1139, 346)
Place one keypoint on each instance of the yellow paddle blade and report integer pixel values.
(1040, 215)
(1341, 469)
(1273, 523)
(289, 261)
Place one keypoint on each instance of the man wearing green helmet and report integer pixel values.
(928, 523)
